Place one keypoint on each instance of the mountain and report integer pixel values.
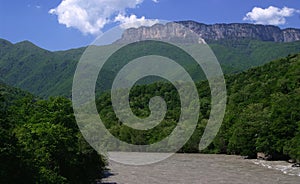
(170, 32)
(262, 113)
(211, 33)
(39, 71)
(237, 31)
(237, 46)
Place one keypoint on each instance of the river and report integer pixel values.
(205, 169)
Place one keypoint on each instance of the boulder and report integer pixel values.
(263, 156)
(292, 161)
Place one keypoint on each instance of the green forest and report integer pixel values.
(41, 143)
(262, 113)
(28, 66)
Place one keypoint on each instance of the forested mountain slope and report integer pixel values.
(46, 73)
(40, 141)
(262, 113)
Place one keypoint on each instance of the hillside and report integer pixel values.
(46, 73)
(36, 70)
(40, 141)
(262, 113)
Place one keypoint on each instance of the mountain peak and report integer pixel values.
(2, 41)
(5, 43)
(29, 46)
(26, 43)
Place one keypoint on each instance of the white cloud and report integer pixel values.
(271, 15)
(90, 16)
(134, 22)
(156, 1)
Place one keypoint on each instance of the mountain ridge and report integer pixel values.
(50, 73)
(285, 35)
(215, 32)
(255, 31)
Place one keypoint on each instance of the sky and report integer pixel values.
(61, 25)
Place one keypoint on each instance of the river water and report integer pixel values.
(205, 169)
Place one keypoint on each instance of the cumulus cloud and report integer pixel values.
(271, 15)
(134, 22)
(90, 16)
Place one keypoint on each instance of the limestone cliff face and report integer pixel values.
(291, 35)
(235, 31)
(170, 32)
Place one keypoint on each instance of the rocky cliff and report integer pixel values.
(234, 31)
(170, 32)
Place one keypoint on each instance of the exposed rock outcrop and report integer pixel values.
(234, 31)
(170, 32)
(240, 30)
(263, 156)
(296, 165)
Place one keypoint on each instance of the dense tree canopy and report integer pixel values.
(45, 73)
(262, 113)
(40, 142)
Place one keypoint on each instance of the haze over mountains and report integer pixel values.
(237, 47)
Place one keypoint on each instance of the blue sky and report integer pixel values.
(54, 25)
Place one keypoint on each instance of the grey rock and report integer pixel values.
(170, 32)
(235, 31)
(263, 156)
(241, 30)
(291, 161)
(296, 165)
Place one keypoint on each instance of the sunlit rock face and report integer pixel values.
(170, 32)
(237, 31)
(175, 32)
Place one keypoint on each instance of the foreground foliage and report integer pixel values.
(40, 142)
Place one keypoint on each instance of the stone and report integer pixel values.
(296, 165)
(263, 156)
(291, 161)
